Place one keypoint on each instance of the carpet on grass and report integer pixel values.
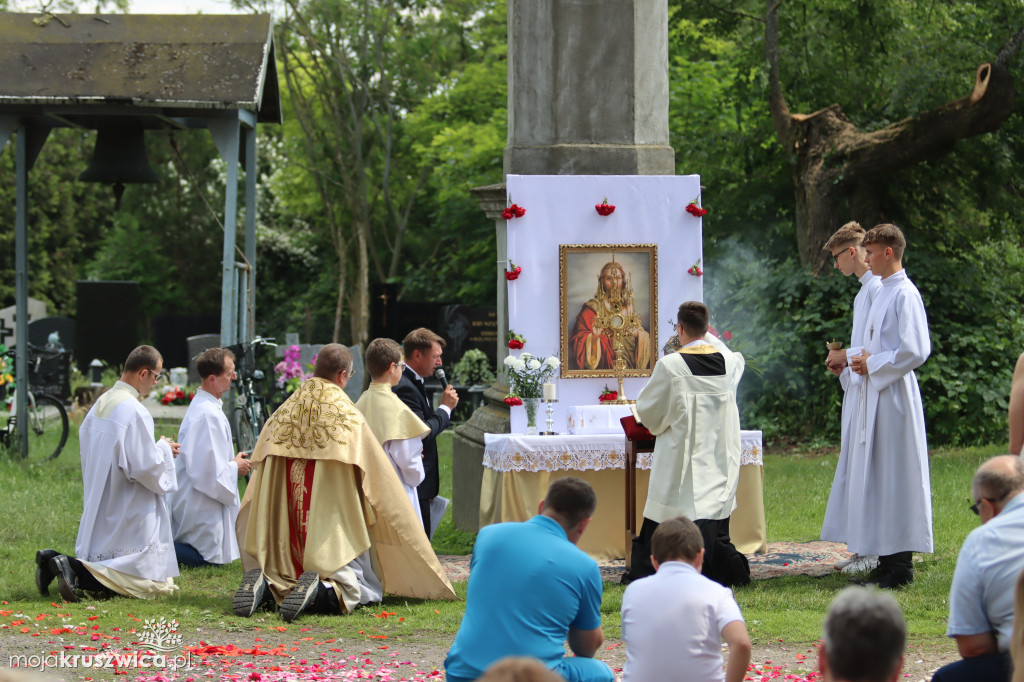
(782, 558)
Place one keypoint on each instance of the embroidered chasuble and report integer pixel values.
(690, 405)
(323, 492)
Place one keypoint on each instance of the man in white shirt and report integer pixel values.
(848, 257)
(690, 405)
(205, 506)
(864, 636)
(124, 540)
(676, 619)
(889, 491)
(982, 594)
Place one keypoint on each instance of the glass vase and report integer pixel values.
(531, 405)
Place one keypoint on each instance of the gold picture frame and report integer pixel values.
(586, 302)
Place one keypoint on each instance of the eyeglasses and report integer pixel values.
(835, 256)
(974, 507)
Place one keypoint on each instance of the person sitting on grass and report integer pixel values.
(864, 636)
(398, 430)
(991, 558)
(124, 545)
(531, 589)
(677, 619)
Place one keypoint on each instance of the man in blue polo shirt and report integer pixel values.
(991, 558)
(531, 589)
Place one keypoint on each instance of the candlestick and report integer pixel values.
(550, 392)
(549, 406)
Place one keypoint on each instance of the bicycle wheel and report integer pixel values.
(47, 428)
(244, 432)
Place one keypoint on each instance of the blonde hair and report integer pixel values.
(849, 234)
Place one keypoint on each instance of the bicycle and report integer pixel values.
(250, 412)
(47, 418)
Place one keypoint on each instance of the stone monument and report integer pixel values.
(587, 95)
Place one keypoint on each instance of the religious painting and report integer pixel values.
(608, 306)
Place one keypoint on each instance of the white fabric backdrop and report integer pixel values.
(650, 209)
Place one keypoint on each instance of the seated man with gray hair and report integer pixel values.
(864, 636)
(991, 558)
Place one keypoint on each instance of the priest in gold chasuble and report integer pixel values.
(324, 497)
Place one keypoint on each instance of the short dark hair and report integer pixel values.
(380, 355)
(864, 635)
(571, 498)
(888, 235)
(850, 234)
(331, 359)
(143, 357)
(211, 361)
(520, 669)
(693, 318)
(676, 539)
(421, 339)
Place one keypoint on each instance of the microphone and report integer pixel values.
(439, 375)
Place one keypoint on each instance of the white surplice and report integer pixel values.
(126, 524)
(406, 457)
(696, 462)
(889, 506)
(834, 525)
(205, 506)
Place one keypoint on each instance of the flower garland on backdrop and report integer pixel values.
(694, 209)
(513, 211)
(527, 375)
(290, 374)
(604, 208)
(515, 341)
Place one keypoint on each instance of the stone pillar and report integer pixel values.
(492, 416)
(587, 95)
(588, 88)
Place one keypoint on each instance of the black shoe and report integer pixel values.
(301, 598)
(251, 594)
(43, 574)
(67, 581)
(893, 580)
(876, 574)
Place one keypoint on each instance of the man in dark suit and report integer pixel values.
(422, 349)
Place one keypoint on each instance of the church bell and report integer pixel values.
(118, 158)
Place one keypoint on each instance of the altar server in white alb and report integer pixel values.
(690, 405)
(124, 540)
(848, 257)
(890, 507)
(205, 506)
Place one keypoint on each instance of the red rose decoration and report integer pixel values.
(514, 272)
(695, 269)
(609, 397)
(604, 208)
(513, 401)
(166, 400)
(694, 209)
(712, 331)
(515, 344)
(513, 211)
(727, 336)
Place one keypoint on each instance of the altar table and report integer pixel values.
(518, 470)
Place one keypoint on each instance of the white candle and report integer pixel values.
(550, 392)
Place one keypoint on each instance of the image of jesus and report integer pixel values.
(590, 347)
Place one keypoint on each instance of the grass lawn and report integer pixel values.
(42, 505)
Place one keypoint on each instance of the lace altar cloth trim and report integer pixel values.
(518, 452)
